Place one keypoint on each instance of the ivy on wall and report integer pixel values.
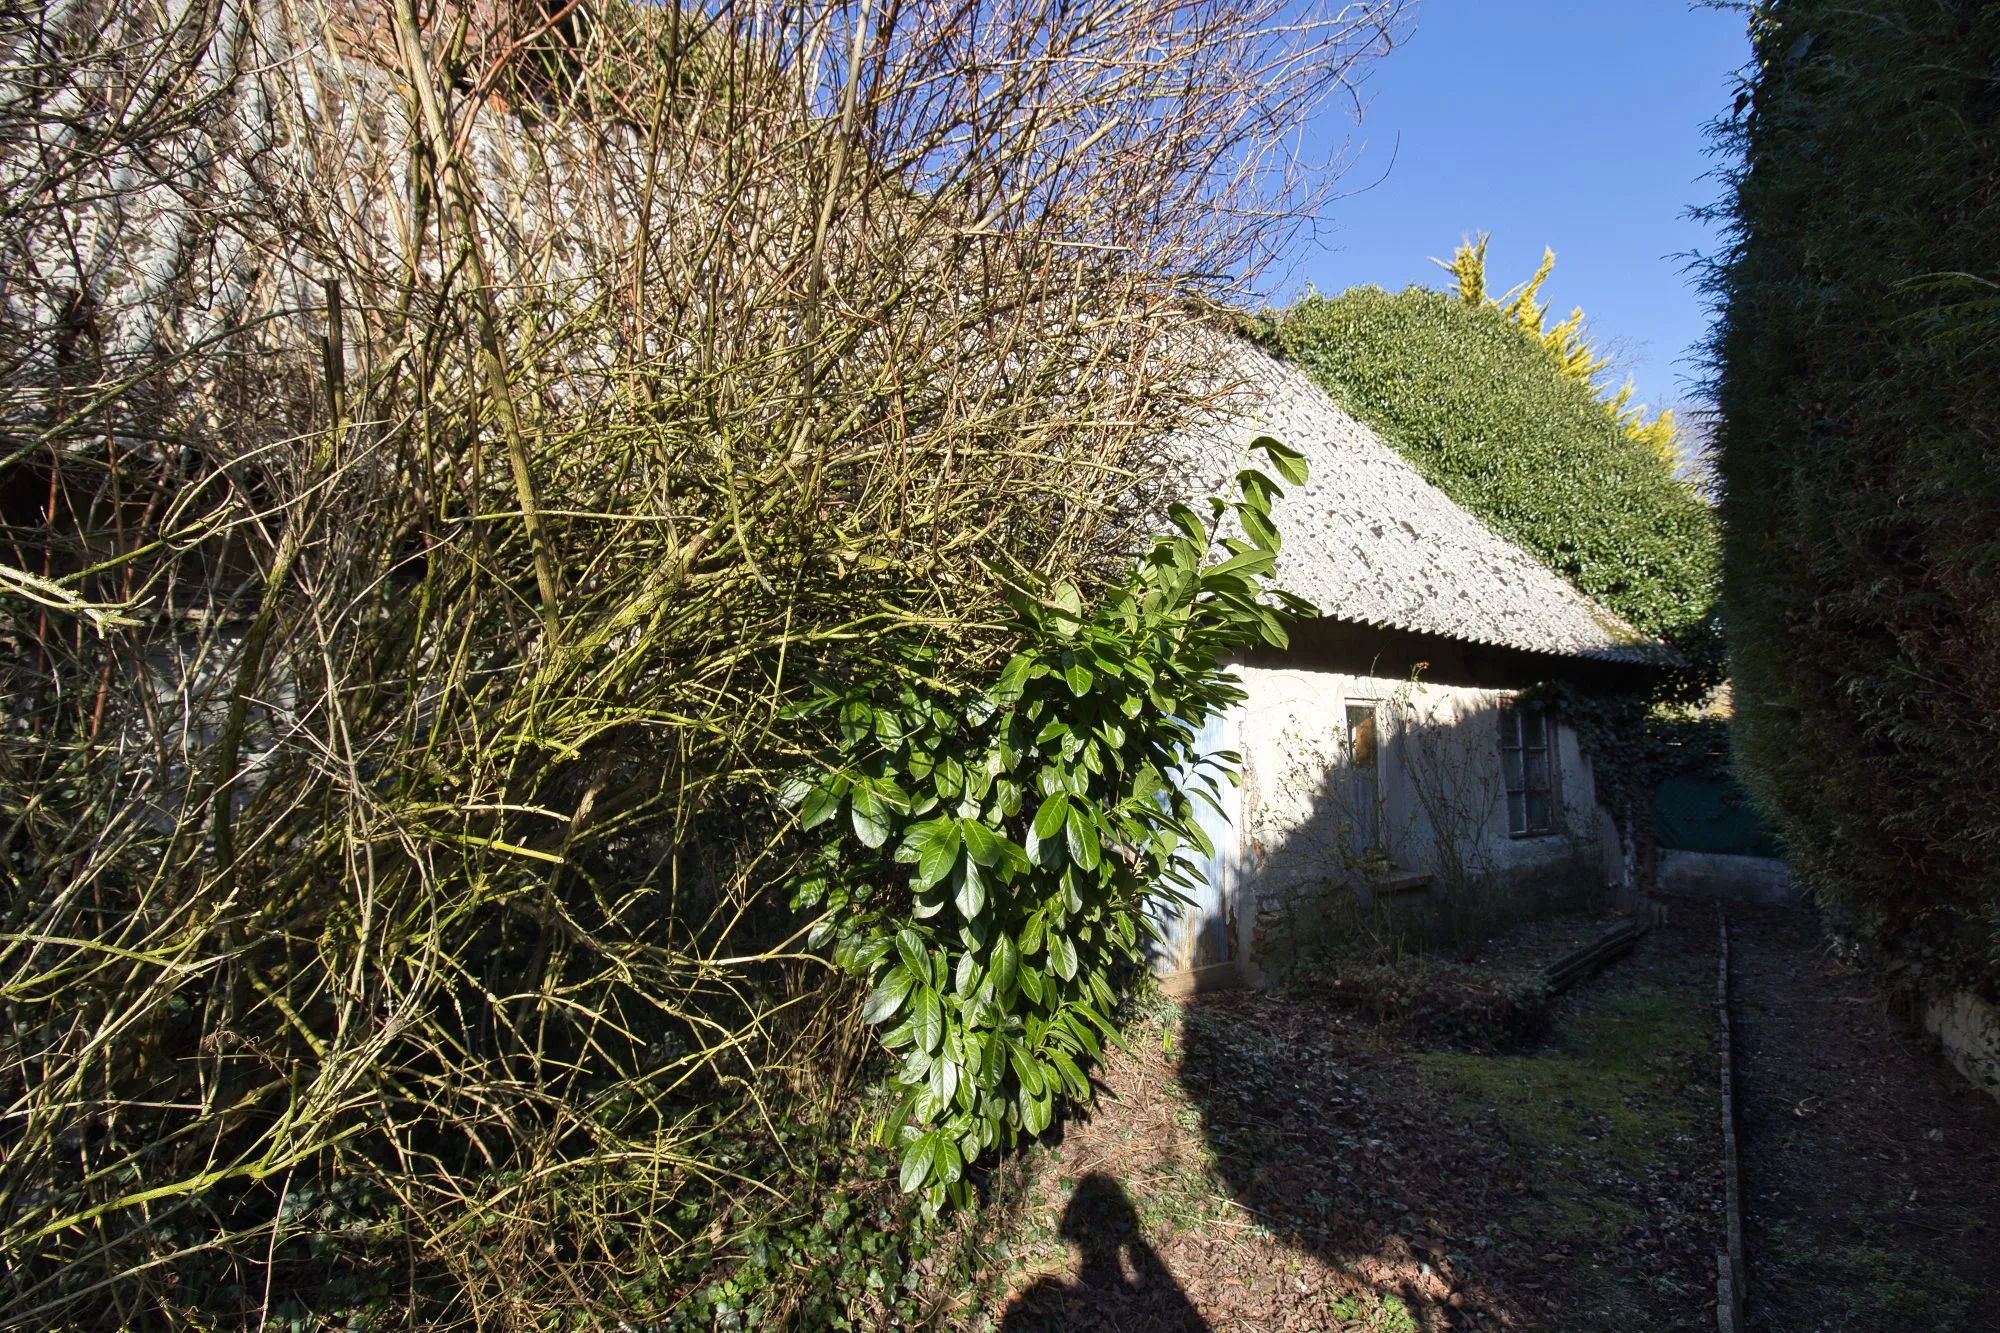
(987, 856)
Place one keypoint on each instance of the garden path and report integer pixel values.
(1871, 1170)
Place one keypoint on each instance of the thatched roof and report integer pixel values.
(1369, 541)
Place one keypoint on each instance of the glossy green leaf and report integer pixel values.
(970, 899)
(871, 817)
(1258, 528)
(1027, 1069)
(1013, 678)
(1007, 797)
(982, 844)
(887, 996)
(1291, 464)
(1062, 956)
(1250, 564)
(934, 844)
(1188, 522)
(927, 1015)
(914, 952)
(1050, 817)
(1258, 490)
(918, 1160)
(818, 805)
(947, 1162)
(1085, 847)
(992, 1063)
(888, 728)
(944, 1079)
(1073, 1080)
(1004, 964)
(1036, 1113)
(1080, 1030)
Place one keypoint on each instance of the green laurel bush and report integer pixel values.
(987, 857)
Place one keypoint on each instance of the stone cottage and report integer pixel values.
(1388, 757)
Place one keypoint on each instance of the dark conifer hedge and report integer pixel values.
(1859, 381)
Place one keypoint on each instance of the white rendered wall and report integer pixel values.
(1442, 808)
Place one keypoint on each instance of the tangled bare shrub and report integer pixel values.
(437, 447)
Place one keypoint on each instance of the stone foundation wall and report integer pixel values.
(1968, 1029)
(1750, 879)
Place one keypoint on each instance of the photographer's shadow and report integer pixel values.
(1101, 1222)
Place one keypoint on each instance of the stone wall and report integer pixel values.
(1750, 879)
(1968, 1029)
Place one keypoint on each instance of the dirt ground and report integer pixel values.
(1271, 1163)
(1871, 1171)
(1321, 1160)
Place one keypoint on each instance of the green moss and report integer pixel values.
(1593, 1084)
(1608, 1092)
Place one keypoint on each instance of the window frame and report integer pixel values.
(1517, 758)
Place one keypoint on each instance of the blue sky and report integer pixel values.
(1575, 124)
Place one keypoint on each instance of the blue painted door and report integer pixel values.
(1204, 934)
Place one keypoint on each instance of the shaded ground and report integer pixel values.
(1871, 1171)
(1270, 1163)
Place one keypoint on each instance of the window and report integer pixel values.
(1527, 760)
(1364, 777)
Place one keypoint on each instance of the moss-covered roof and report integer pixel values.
(1369, 541)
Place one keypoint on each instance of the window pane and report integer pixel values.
(1517, 812)
(1540, 812)
(1510, 765)
(1534, 727)
(1537, 770)
(1361, 734)
(1510, 725)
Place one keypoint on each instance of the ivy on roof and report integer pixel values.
(1482, 411)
